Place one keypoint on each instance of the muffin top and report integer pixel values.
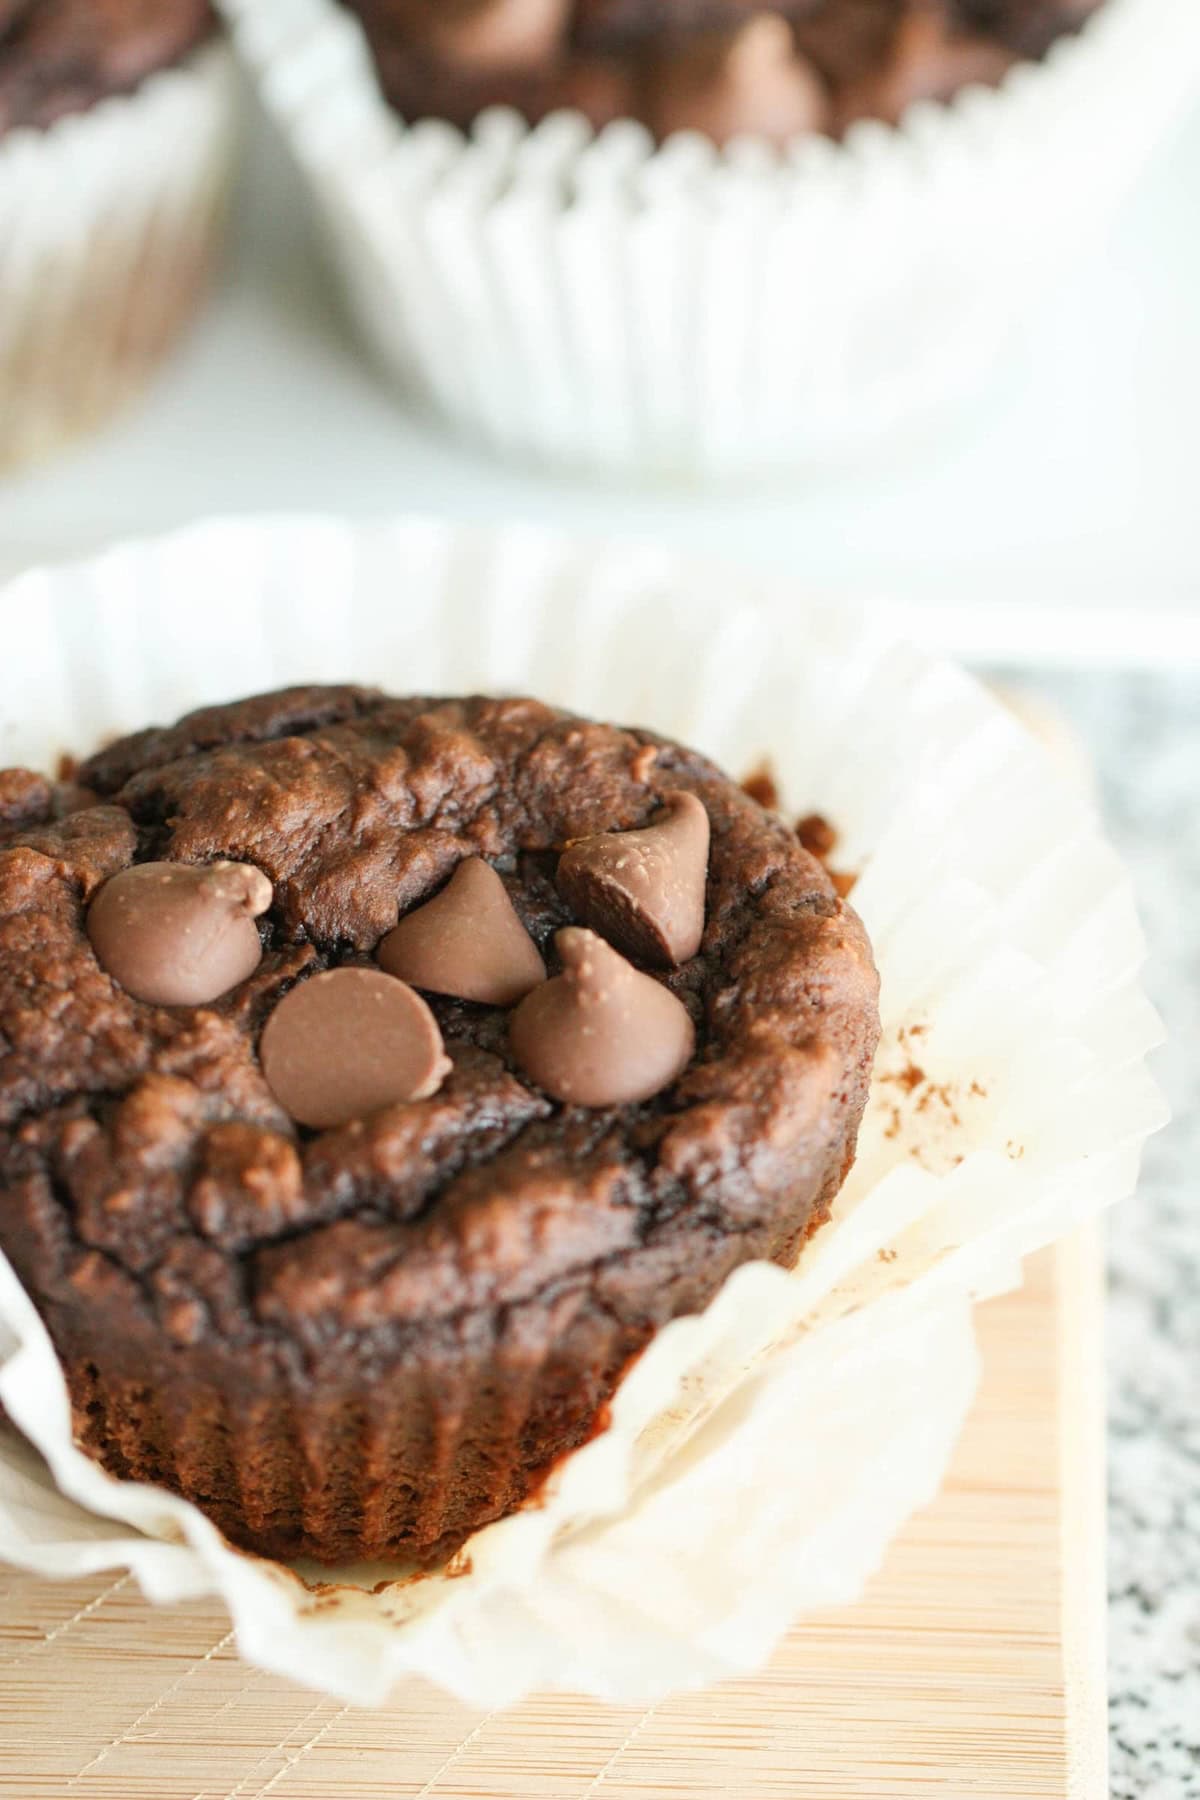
(170, 1157)
(721, 67)
(63, 56)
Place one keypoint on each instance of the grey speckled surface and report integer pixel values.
(1144, 733)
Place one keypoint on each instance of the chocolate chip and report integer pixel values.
(930, 59)
(756, 83)
(467, 941)
(345, 1044)
(501, 34)
(601, 1033)
(644, 890)
(176, 934)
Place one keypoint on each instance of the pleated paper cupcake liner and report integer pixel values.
(109, 226)
(760, 1455)
(594, 302)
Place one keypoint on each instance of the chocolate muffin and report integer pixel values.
(377, 1076)
(64, 56)
(112, 189)
(721, 67)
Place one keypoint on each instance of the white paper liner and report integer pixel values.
(109, 222)
(589, 301)
(761, 1455)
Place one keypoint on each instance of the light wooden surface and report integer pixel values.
(974, 1667)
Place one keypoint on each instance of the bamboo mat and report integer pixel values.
(973, 1668)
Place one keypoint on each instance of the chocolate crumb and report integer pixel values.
(943, 1094)
(907, 1078)
(817, 835)
(911, 1031)
(820, 839)
(761, 785)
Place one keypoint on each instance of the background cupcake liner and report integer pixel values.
(109, 223)
(761, 1454)
(589, 301)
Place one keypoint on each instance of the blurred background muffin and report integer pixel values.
(696, 239)
(116, 122)
(721, 67)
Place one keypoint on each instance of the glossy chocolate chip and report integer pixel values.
(601, 1033)
(644, 890)
(760, 86)
(467, 941)
(347, 1043)
(175, 934)
(500, 34)
(930, 59)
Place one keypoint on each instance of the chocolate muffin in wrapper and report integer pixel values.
(116, 128)
(711, 241)
(350, 1268)
(753, 1461)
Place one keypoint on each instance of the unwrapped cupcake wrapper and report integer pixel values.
(760, 1455)
(589, 301)
(109, 223)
